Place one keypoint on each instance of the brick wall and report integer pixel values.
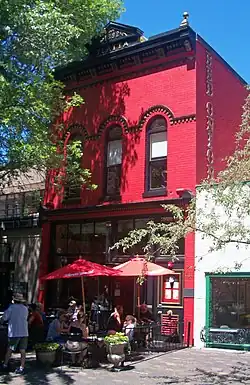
(227, 99)
(174, 88)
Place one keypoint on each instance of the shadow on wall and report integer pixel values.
(25, 252)
(105, 107)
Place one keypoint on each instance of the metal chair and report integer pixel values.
(73, 347)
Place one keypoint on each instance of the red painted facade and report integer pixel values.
(178, 82)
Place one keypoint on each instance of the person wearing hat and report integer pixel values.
(17, 317)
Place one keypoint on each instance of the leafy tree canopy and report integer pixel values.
(223, 214)
(36, 36)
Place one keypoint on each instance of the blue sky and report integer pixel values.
(224, 24)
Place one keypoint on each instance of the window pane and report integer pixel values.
(88, 239)
(114, 133)
(61, 239)
(124, 226)
(113, 180)
(2, 206)
(10, 206)
(230, 303)
(158, 174)
(100, 236)
(158, 145)
(74, 238)
(114, 155)
(158, 124)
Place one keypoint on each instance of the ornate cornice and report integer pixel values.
(129, 55)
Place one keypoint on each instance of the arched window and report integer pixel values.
(73, 186)
(156, 156)
(113, 161)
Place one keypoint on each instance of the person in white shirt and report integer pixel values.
(17, 317)
(129, 327)
(73, 310)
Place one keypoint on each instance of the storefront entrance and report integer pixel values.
(228, 311)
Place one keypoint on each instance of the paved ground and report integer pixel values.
(189, 366)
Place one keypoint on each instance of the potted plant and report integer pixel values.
(116, 344)
(46, 352)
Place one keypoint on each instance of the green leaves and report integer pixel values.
(36, 36)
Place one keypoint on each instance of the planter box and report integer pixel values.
(116, 348)
(45, 357)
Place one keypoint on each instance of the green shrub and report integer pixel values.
(117, 338)
(47, 347)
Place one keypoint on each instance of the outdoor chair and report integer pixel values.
(73, 348)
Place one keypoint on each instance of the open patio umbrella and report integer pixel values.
(80, 269)
(139, 266)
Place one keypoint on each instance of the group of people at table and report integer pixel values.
(74, 321)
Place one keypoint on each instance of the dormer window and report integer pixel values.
(113, 161)
(156, 157)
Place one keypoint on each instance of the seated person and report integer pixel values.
(114, 324)
(79, 325)
(145, 315)
(57, 327)
(36, 327)
(80, 328)
(129, 327)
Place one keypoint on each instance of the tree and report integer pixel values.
(36, 37)
(223, 215)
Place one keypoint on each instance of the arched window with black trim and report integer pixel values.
(156, 157)
(113, 161)
(72, 191)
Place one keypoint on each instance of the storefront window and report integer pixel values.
(61, 239)
(140, 247)
(123, 228)
(100, 237)
(230, 302)
(74, 239)
(87, 237)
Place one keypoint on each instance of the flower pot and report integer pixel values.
(116, 354)
(46, 357)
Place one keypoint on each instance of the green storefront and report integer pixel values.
(228, 311)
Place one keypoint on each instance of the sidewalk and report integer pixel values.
(189, 366)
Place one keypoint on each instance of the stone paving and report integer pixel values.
(189, 366)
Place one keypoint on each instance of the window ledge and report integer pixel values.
(156, 193)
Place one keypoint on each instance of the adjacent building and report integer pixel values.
(222, 285)
(160, 115)
(20, 236)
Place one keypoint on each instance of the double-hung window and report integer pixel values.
(157, 146)
(114, 161)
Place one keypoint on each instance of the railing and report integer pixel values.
(160, 338)
(225, 336)
(19, 221)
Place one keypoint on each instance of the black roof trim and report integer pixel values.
(124, 26)
(157, 40)
(199, 38)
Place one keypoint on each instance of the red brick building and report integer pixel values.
(160, 114)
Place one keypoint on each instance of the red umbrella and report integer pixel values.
(80, 269)
(139, 266)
